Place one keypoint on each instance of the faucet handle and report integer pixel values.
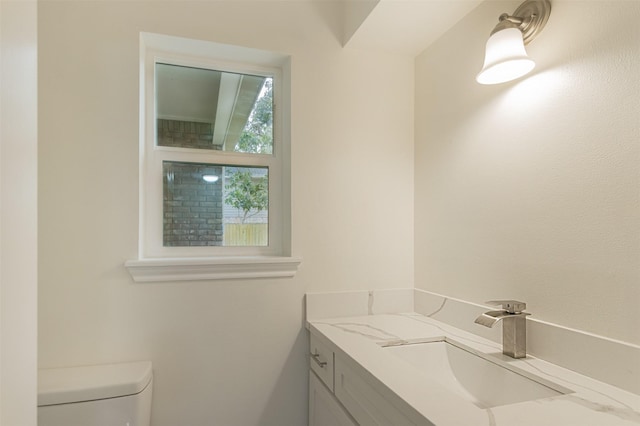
(511, 306)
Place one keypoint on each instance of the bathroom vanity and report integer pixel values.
(410, 369)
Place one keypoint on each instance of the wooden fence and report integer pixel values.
(249, 234)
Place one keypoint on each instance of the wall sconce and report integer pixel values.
(505, 58)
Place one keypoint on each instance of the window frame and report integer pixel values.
(158, 263)
(155, 155)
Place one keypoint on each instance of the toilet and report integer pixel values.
(98, 395)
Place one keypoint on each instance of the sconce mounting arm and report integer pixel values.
(530, 18)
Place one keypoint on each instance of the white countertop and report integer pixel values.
(592, 403)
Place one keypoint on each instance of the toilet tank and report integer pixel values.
(99, 395)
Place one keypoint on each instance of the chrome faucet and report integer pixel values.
(514, 326)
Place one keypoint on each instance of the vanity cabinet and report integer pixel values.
(324, 408)
(368, 404)
(342, 394)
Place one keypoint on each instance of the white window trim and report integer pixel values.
(222, 268)
(157, 263)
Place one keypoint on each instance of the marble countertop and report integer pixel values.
(360, 339)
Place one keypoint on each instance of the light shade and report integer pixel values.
(505, 58)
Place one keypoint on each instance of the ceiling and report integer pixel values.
(401, 26)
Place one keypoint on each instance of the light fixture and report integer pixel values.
(505, 58)
(210, 178)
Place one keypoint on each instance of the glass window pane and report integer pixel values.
(207, 109)
(215, 205)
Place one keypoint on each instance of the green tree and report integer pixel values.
(247, 193)
(257, 136)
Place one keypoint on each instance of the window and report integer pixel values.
(214, 161)
(214, 205)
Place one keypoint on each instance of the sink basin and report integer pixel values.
(481, 379)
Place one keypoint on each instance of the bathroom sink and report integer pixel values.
(481, 379)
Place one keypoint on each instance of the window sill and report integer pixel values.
(220, 268)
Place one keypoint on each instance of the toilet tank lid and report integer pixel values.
(78, 384)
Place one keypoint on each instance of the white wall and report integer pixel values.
(18, 215)
(529, 190)
(231, 353)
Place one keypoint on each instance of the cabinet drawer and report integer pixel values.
(321, 361)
